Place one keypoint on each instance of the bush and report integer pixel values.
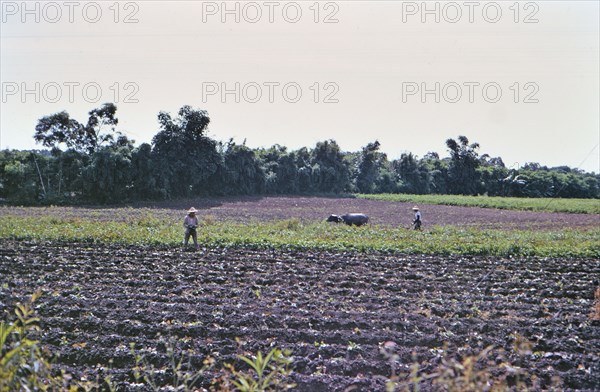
(22, 364)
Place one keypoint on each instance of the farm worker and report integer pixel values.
(190, 223)
(417, 221)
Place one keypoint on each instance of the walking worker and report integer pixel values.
(417, 222)
(190, 223)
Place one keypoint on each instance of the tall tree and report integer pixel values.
(60, 129)
(143, 173)
(330, 171)
(462, 171)
(243, 172)
(280, 169)
(107, 179)
(305, 171)
(413, 174)
(368, 168)
(185, 157)
(19, 179)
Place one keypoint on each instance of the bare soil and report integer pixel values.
(246, 209)
(332, 310)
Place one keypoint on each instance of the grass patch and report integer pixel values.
(578, 206)
(292, 234)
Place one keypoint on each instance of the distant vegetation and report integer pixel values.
(580, 206)
(92, 162)
(293, 234)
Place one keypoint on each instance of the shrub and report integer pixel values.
(491, 369)
(265, 373)
(22, 363)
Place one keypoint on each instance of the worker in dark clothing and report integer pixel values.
(417, 222)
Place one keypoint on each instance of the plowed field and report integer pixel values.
(333, 311)
(247, 209)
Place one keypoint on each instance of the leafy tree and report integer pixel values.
(330, 172)
(60, 129)
(533, 166)
(413, 173)
(462, 171)
(305, 171)
(244, 174)
(496, 181)
(368, 168)
(68, 170)
(437, 170)
(102, 165)
(185, 157)
(19, 178)
(386, 180)
(486, 160)
(108, 177)
(280, 169)
(143, 173)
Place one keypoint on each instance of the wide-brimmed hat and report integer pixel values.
(415, 208)
(192, 210)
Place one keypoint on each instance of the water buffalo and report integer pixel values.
(350, 219)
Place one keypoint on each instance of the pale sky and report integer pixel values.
(371, 63)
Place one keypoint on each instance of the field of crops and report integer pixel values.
(270, 274)
(578, 206)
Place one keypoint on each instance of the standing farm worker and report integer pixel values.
(417, 221)
(190, 223)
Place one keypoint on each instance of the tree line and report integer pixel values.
(94, 162)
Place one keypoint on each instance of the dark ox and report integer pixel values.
(350, 219)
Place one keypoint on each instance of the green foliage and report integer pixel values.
(290, 234)
(329, 171)
(579, 206)
(242, 171)
(59, 129)
(108, 176)
(414, 175)
(103, 166)
(22, 363)
(488, 369)
(265, 373)
(281, 171)
(178, 374)
(369, 166)
(184, 157)
(142, 173)
(18, 177)
(463, 176)
(288, 224)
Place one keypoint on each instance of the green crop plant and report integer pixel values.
(490, 369)
(22, 363)
(265, 373)
(579, 206)
(178, 374)
(441, 240)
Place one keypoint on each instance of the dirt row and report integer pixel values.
(335, 312)
(245, 209)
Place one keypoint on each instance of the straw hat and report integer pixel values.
(192, 210)
(415, 208)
